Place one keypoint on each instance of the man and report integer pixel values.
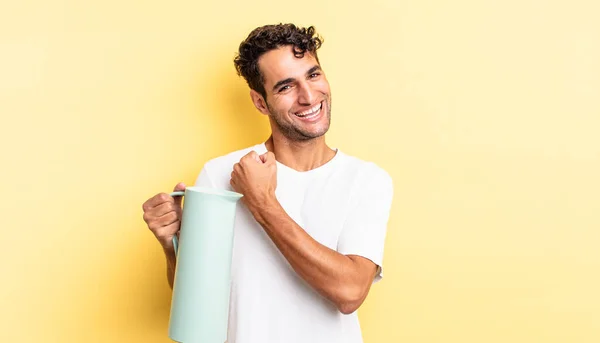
(310, 231)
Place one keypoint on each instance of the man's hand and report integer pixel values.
(162, 213)
(255, 176)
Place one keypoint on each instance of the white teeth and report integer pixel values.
(308, 112)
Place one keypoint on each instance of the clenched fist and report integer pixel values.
(162, 213)
(255, 176)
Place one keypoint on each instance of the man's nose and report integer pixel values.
(306, 95)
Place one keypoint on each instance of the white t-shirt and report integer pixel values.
(343, 204)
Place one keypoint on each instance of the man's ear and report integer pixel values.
(259, 102)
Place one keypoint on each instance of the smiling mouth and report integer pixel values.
(311, 112)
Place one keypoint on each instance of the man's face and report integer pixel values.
(298, 97)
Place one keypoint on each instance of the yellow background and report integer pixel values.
(485, 113)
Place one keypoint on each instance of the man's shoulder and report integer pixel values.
(365, 169)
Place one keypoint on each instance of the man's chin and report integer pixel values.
(313, 134)
(297, 133)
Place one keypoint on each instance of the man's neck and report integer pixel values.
(300, 156)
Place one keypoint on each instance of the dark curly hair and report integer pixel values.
(270, 37)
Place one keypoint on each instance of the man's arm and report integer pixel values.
(162, 214)
(344, 280)
(342, 277)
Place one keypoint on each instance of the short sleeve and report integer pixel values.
(365, 228)
(203, 180)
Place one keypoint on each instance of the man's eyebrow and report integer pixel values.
(283, 82)
(290, 79)
(313, 69)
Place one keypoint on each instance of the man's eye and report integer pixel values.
(284, 88)
(313, 75)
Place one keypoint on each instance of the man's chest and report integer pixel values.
(320, 207)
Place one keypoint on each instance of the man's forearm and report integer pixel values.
(339, 278)
(171, 262)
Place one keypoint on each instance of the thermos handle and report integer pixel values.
(175, 241)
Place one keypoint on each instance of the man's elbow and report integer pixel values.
(351, 299)
(349, 307)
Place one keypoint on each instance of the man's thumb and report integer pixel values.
(263, 157)
(268, 157)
